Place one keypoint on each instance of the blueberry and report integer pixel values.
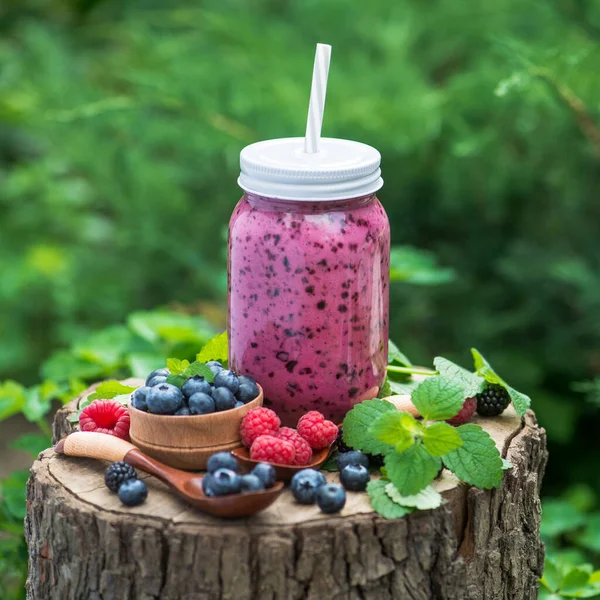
(239, 404)
(247, 379)
(305, 484)
(247, 392)
(157, 380)
(214, 366)
(331, 498)
(227, 379)
(207, 481)
(355, 477)
(133, 492)
(164, 399)
(224, 399)
(354, 457)
(266, 473)
(222, 460)
(196, 385)
(251, 483)
(138, 398)
(158, 373)
(202, 404)
(225, 482)
(184, 411)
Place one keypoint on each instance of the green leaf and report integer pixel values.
(440, 438)
(140, 363)
(216, 348)
(552, 576)
(35, 406)
(412, 470)
(590, 538)
(438, 398)
(177, 380)
(177, 366)
(416, 266)
(574, 581)
(331, 463)
(382, 503)
(32, 443)
(396, 356)
(199, 368)
(471, 383)
(426, 499)
(520, 401)
(477, 462)
(385, 389)
(12, 491)
(12, 399)
(359, 420)
(400, 388)
(560, 517)
(108, 390)
(396, 429)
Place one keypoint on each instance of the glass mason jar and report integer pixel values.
(309, 276)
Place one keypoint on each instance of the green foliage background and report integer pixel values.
(120, 130)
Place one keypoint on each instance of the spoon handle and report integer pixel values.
(89, 444)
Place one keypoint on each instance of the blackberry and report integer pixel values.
(118, 473)
(492, 401)
(341, 446)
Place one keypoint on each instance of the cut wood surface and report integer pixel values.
(85, 545)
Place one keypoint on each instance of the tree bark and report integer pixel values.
(479, 545)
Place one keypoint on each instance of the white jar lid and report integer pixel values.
(282, 169)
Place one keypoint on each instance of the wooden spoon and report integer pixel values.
(187, 485)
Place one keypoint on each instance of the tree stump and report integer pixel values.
(479, 545)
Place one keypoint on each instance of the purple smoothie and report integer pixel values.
(308, 301)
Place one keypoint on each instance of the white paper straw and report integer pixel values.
(318, 92)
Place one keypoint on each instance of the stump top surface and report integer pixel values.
(83, 480)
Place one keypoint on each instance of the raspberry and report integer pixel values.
(492, 401)
(318, 432)
(466, 412)
(302, 447)
(268, 448)
(105, 416)
(258, 421)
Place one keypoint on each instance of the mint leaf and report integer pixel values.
(395, 356)
(216, 348)
(399, 388)
(412, 470)
(574, 581)
(426, 499)
(471, 383)
(357, 424)
(107, 390)
(520, 401)
(385, 390)
(440, 438)
(176, 366)
(382, 503)
(32, 443)
(395, 429)
(177, 380)
(199, 368)
(477, 462)
(438, 398)
(331, 463)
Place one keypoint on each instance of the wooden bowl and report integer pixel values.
(188, 442)
(284, 472)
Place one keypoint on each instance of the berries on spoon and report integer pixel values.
(258, 421)
(251, 483)
(222, 460)
(268, 448)
(301, 446)
(225, 482)
(266, 473)
(316, 430)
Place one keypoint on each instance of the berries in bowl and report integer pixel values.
(183, 420)
(288, 450)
